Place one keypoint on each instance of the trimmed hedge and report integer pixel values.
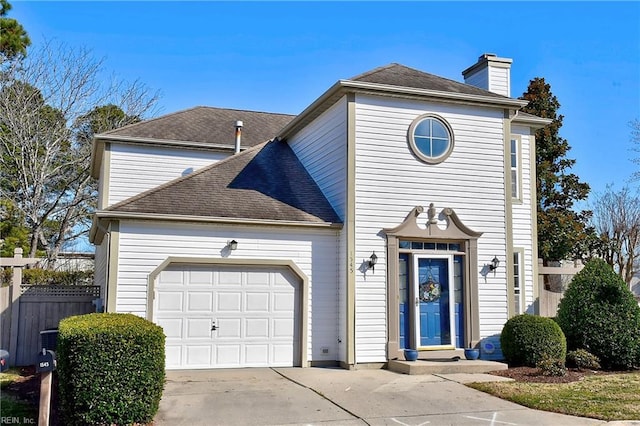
(599, 313)
(528, 340)
(110, 369)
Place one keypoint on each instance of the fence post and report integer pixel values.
(17, 263)
(541, 295)
(16, 282)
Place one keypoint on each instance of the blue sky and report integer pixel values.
(280, 56)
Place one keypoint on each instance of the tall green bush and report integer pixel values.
(110, 368)
(528, 340)
(599, 313)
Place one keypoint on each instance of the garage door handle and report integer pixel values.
(214, 327)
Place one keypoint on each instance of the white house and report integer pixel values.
(396, 211)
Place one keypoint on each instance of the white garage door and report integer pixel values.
(226, 317)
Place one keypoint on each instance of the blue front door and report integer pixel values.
(433, 301)
(430, 299)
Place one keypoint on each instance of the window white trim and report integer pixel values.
(515, 167)
(517, 292)
(422, 156)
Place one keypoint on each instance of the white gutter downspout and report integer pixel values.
(238, 135)
(103, 303)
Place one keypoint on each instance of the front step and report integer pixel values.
(421, 366)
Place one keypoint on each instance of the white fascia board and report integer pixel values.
(435, 94)
(97, 151)
(342, 87)
(106, 214)
(164, 142)
(531, 121)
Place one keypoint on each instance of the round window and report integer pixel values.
(430, 138)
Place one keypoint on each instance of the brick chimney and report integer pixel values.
(490, 73)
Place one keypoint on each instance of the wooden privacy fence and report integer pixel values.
(26, 310)
(552, 282)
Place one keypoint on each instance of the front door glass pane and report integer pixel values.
(403, 280)
(458, 280)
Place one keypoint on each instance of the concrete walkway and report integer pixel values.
(327, 397)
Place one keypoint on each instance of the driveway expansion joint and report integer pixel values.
(320, 394)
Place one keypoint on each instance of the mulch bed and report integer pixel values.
(534, 375)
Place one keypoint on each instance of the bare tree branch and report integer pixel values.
(616, 217)
(45, 160)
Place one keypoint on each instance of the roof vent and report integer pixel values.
(238, 135)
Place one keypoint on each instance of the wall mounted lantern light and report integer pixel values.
(233, 244)
(495, 262)
(373, 259)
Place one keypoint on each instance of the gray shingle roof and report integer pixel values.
(266, 182)
(400, 75)
(207, 125)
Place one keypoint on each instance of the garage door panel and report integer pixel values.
(285, 279)
(283, 327)
(200, 301)
(198, 328)
(283, 302)
(255, 279)
(230, 278)
(257, 327)
(172, 327)
(198, 276)
(198, 355)
(170, 301)
(282, 355)
(229, 301)
(257, 302)
(228, 355)
(228, 328)
(257, 355)
(255, 311)
(169, 276)
(174, 355)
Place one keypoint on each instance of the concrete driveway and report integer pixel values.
(324, 396)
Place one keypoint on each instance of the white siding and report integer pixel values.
(522, 214)
(321, 147)
(479, 79)
(492, 78)
(499, 80)
(390, 181)
(144, 246)
(138, 168)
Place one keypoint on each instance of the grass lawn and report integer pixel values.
(11, 405)
(604, 397)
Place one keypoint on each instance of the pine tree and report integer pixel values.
(13, 37)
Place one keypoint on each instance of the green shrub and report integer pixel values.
(599, 313)
(110, 368)
(583, 359)
(6, 276)
(527, 340)
(552, 367)
(37, 276)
